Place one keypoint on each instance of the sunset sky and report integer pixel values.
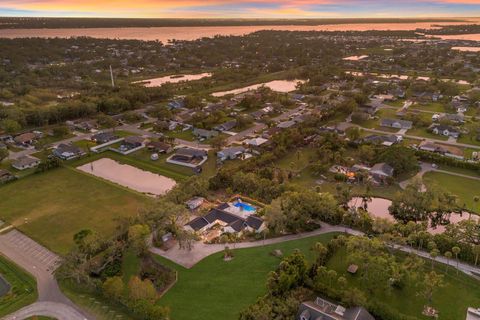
(241, 8)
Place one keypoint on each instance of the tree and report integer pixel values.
(218, 142)
(275, 219)
(431, 282)
(61, 131)
(353, 297)
(141, 290)
(10, 126)
(434, 254)
(321, 252)
(114, 287)
(137, 236)
(456, 250)
(448, 255)
(402, 159)
(3, 154)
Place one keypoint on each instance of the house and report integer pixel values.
(323, 309)
(231, 217)
(204, 134)
(456, 118)
(159, 147)
(25, 162)
(25, 139)
(383, 140)
(380, 172)
(395, 123)
(473, 314)
(449, 151)
(188, 157)
(132, 142)
(176, 104)
(84, 125)
(445, 130)
(230, 153)
(195, 203)
(227, 126)
(385, 97)
(68, 151)
(255, 142)
(286, 124)
(6, 176)
(104, 137)
(369, 109)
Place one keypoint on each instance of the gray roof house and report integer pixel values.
(473, 314)
(381, 171)
(325, 310)
(395, 123)
(25, 162)
(227, 126)
(104, 137)
(68, 152)
(204, 134)
(230, 153)
(444, 130)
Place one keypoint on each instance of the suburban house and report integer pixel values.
(286, 124)
(325, 310)
(255, 142)
(449, 151)
(370, 109)
(84, 125)
(234, 217)
(231, 153)
(473, 314)
(227, 126)
(194, 203)
(159, 147)
(395, 123)
(176, 104)
(104, 137)
(6, 176)
(132, 142)
(25, 162)
(188, 157)
(380, 172)
(68, 151)
(445, 130)
(385, 97)
(25, 139)
(383, 140)
(204, 134)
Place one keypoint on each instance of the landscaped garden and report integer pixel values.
(22, 288)
(51, 207)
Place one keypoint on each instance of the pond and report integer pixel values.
(158, 82)
(284, 86)
(128, 176)
(378, 207)
(4, 286)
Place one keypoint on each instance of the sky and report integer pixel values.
(241, 8)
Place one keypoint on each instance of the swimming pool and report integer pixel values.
(245, 206)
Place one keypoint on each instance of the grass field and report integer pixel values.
(23, 289)
(215, 289)
(465, 189)
(53, 206)
(452, 301)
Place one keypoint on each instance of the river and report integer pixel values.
(164, 34)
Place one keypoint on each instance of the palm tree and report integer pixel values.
(448, 255)
(434, 254)
(456, 250)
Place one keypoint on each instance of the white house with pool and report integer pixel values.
(231, 217)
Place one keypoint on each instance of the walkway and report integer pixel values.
(47, 309)
(200, 250)
(41, 263)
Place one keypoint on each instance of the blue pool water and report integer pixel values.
(244, 206)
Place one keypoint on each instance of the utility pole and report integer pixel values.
(111, 76)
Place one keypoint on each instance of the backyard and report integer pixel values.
(23, 288)
(51, 207)
(215, 289)
(464, 188)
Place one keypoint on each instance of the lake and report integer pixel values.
(378, 207)
(284, 86)
(157, 82)
(164, 34)
(128, 176)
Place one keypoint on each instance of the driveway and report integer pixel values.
(41, 263)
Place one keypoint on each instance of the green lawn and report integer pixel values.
(432, 106)
(130, 265)
(63, 201)
(452, 301)
(180, 134)
(297, 160)
(215, 289)
(422, 132)
(23, 289)
(464, 188)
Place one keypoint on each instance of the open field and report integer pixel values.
(465, 189)
(459, 293)
(23, 287)
(215, 289)
(51, 207)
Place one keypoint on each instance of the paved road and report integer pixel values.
(48, 309)
(200, 250)
(41, 263)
